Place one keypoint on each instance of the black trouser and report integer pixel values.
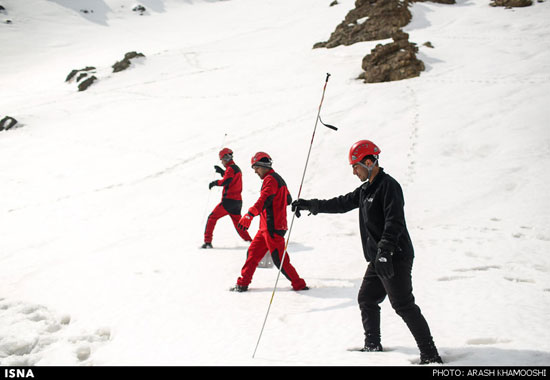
(399, 291)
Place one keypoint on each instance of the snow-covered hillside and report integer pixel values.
(104, 196)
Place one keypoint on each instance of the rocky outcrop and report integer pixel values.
(393, 61)
(126, 61)
(511, 3)
(370, 20)
(139, 9)
(373, 20)
(84, 78)
(435, 1)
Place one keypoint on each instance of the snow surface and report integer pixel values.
(104, 192)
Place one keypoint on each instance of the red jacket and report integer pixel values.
(272, 203)
(232, 182)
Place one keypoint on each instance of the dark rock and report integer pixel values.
(74, 72)
(86, 83)
(393, 61)
(125, 63)
(82, 77)
(370, 20)
(511, 3)
(7, 122)
(335, 2)
(139, 8)
(436, 1)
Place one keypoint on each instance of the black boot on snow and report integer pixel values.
(429, 355)
(372, 347)
(206, 246)
(430, 359)
(239, 288)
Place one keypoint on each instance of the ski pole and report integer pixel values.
(317, 119)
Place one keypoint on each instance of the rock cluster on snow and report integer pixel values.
(394, 61)
(126, 61)
(139, 9)
(511, 3)
(373, 20)
(370, 20)
(85, 77)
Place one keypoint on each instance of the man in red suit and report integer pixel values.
(231, 203)
(271, 207)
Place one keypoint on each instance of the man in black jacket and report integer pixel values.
(387, 248)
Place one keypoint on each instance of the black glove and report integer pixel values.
(303, 204)
(384, 264)
(219, 170)
(212, 184)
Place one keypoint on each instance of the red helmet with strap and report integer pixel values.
(226, 152)
(361, 149)
(261, 159)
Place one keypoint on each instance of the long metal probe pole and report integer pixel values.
(293, 216)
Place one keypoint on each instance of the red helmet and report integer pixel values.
(224, 152)
(361, 149)
(261, 159)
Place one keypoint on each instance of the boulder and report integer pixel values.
(125, 63)
(7, 122)
(370, 20)
(139, 9)
(511, 3)
(393, 61)
(73, 73)
(83, 77)
(84, 84)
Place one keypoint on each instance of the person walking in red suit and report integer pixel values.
(271, 207)
(231, 203)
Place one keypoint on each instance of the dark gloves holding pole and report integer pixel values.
(311, 205)
(384, 264)
(212, 184)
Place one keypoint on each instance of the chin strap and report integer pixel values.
(369, 168)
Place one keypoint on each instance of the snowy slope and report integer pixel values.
(104, 192)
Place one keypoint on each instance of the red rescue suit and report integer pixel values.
(231, 203)
(271, 206)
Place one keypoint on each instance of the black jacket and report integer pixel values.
(381, 215)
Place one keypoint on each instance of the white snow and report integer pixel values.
(104, 192)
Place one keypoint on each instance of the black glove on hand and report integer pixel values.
(219, 170)
(384, 264)
(303, 204)
(212, 184)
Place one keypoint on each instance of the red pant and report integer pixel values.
(275, 244)
(219, 212)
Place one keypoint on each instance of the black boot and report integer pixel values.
(429, 354)
(372, 347)
(239, 288)
(207, 246)
(372, 342)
